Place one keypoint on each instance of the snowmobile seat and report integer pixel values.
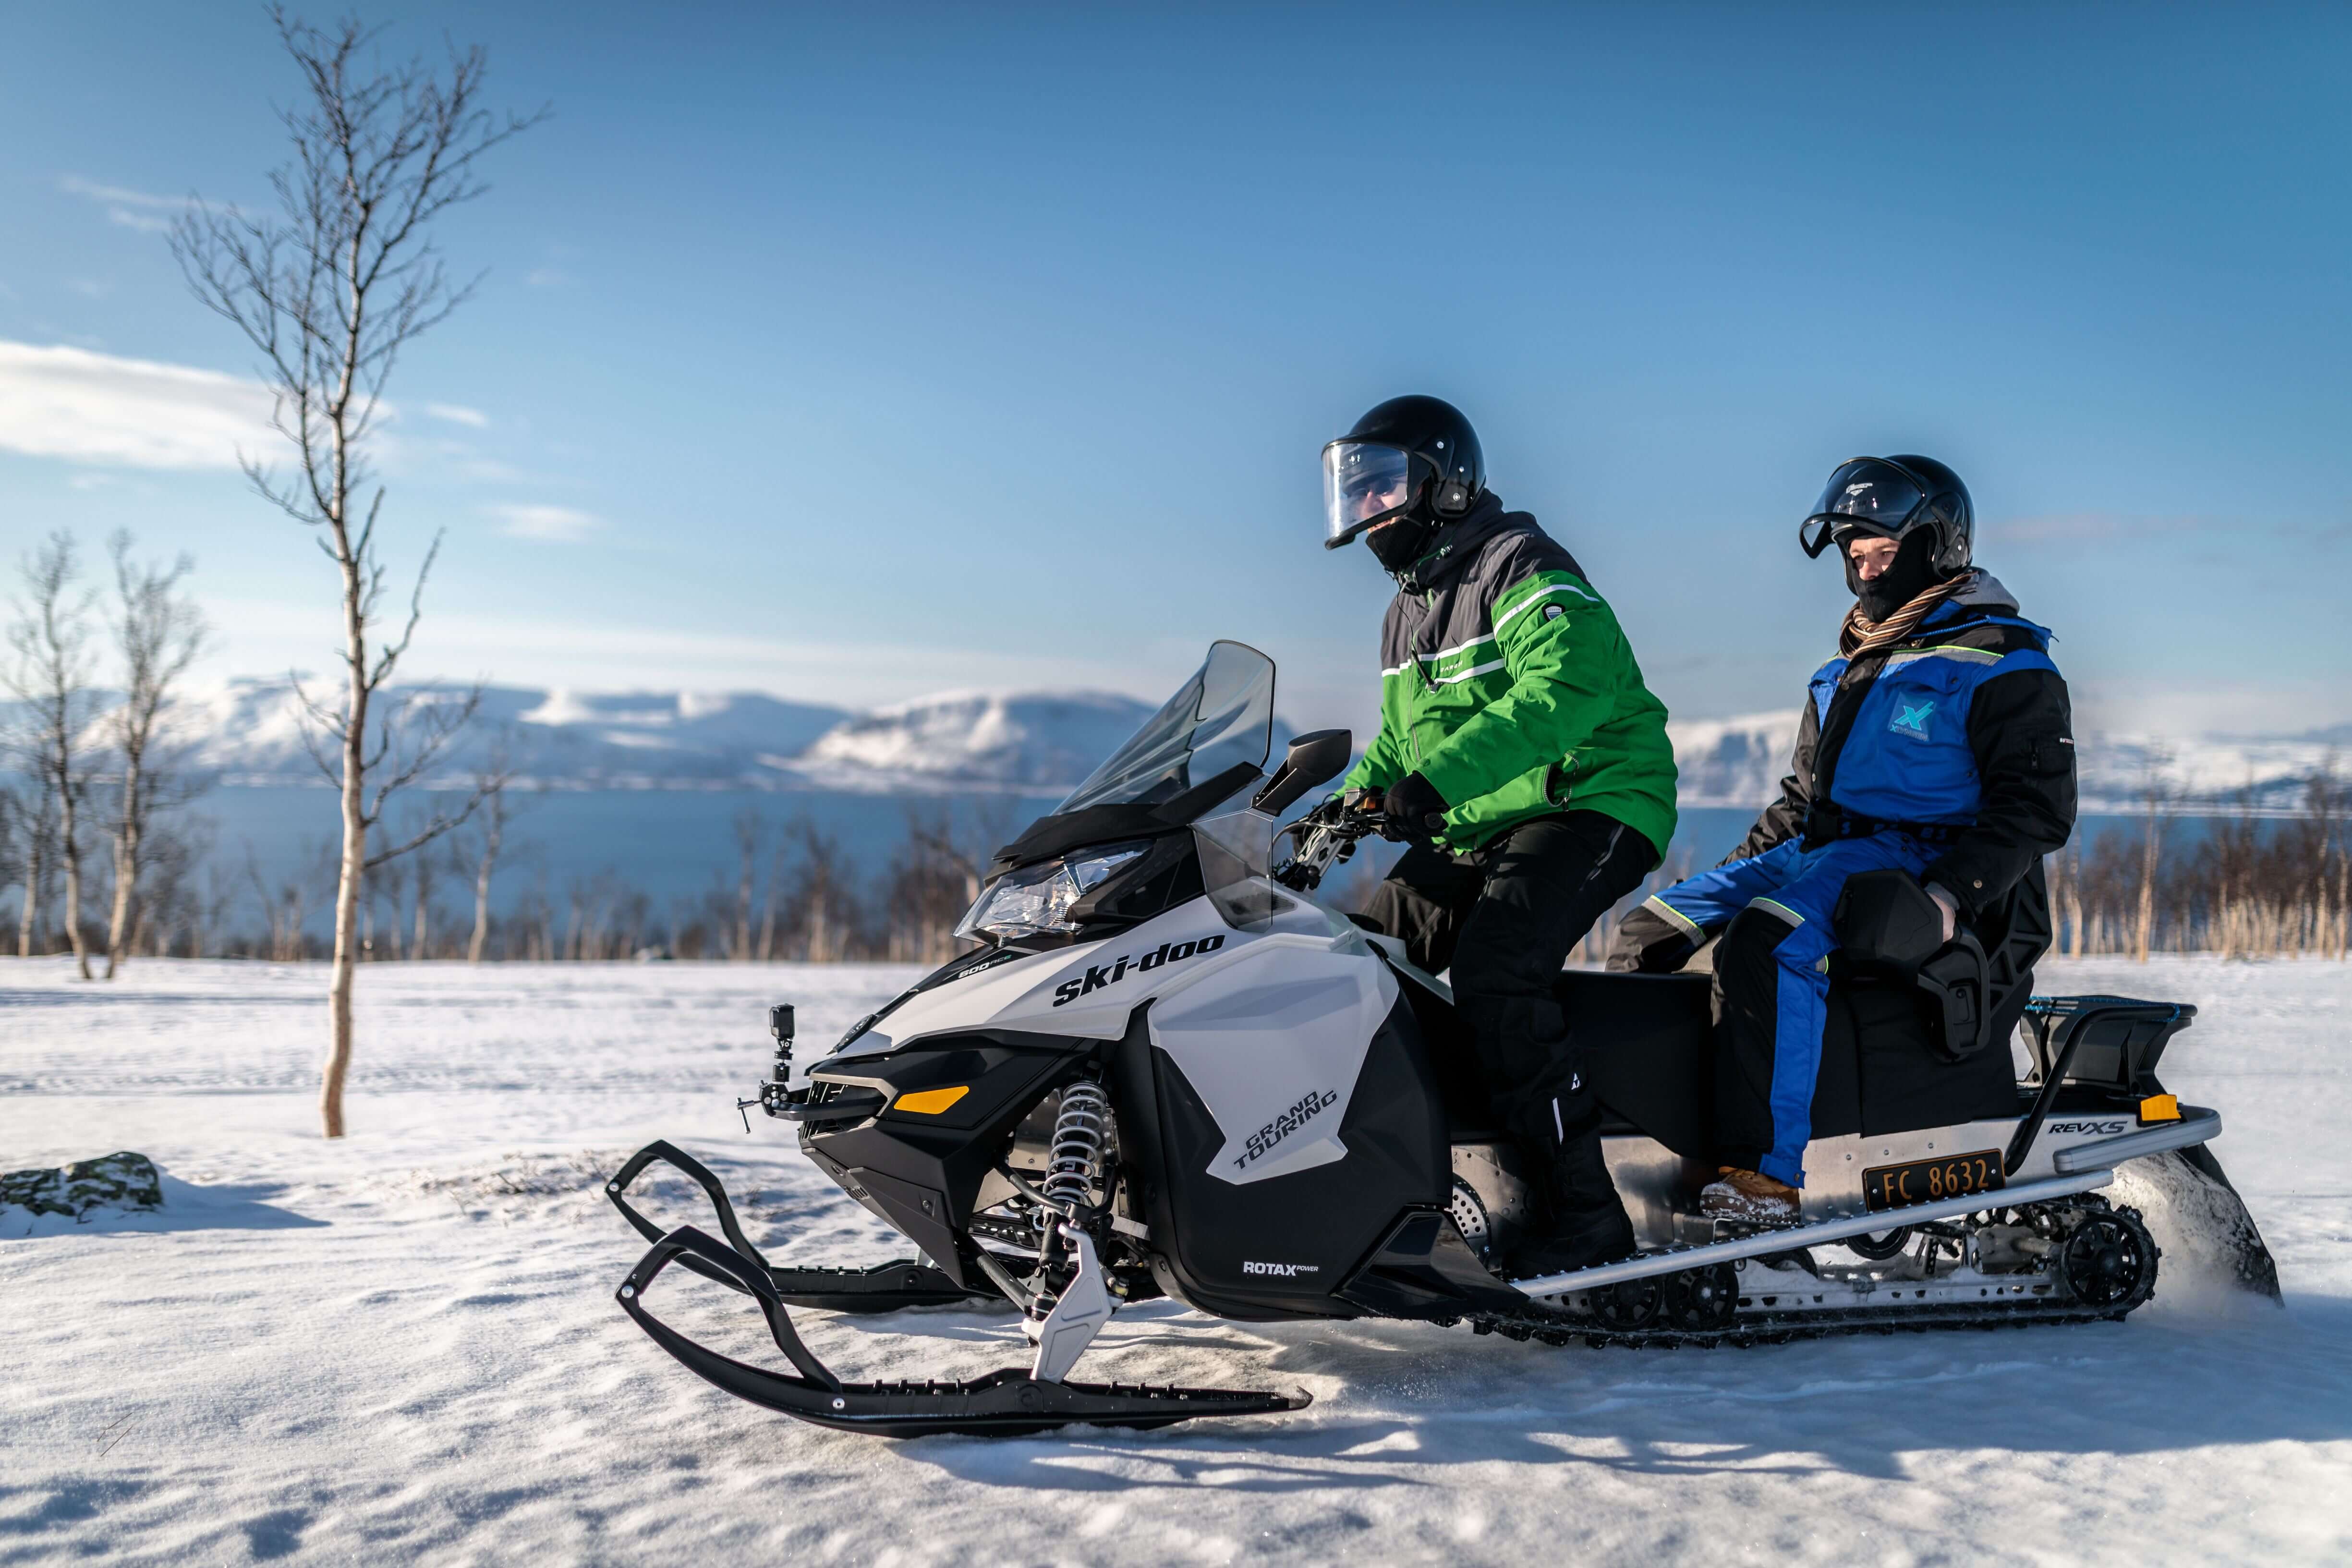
(1889, 1063)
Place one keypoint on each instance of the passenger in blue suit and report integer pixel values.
(1939, 742)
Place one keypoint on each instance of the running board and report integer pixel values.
(2081, 1167)
(1790, 1238)
(1002, 1404)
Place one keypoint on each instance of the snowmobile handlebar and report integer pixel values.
(1325, 837)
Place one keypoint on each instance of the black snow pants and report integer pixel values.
(1503, 918)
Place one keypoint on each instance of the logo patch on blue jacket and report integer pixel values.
(1911, 721)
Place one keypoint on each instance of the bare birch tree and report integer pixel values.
(49, 671)
(2154, 792)
(158, 632)
(31, 859)
(480, 856)
(750, 828)
(330, 290)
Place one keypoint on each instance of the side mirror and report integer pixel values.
(1314, 758)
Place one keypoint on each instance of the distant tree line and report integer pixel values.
(2252, 885)
(482, 893)
(2247, 885)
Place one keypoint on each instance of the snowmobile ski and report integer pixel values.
(882, 1287)
(1002, 1404)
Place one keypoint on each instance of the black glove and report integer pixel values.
(1416, 811)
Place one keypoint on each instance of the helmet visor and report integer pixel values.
(1870, 496)
(1363, 483)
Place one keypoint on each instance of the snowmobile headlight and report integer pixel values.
(1037, 898)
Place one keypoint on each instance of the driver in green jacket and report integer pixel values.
(1527, 766)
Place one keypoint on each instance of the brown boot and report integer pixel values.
(1750, 1196)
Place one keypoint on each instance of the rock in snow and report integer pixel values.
(119, 1181)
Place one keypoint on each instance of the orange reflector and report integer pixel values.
(931, 1101)
(2160, 1108)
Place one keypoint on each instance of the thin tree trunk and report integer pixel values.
(29, 918)
(70, 852)
(475, 943)
(126, 870)
(354, 859)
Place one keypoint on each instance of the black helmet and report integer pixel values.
(1891, 497)
(1409, 453)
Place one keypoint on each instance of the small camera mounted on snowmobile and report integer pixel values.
(775, 1089)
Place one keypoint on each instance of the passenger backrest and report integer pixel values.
(1880, 1069)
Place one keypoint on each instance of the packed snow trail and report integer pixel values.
(404, 1347)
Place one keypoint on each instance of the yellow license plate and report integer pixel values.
(1930, 1180)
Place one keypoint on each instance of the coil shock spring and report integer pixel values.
(1075, 1162)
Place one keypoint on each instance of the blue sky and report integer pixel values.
(854, 352)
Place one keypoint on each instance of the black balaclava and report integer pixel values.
(1397, 545)
(1913, 573)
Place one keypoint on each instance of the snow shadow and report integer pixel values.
(1862, 1407)
(186, 1206)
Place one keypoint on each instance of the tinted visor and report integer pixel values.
(1867, 495)
(1363, 483)
(1877, 496)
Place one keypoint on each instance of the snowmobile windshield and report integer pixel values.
(1363, 483)
(1222, 718)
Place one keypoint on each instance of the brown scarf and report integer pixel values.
(1860, 635)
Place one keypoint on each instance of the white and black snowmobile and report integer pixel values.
(1171, 1072)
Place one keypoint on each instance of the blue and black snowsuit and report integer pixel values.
(1951, 755)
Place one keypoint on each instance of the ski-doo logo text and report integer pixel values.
(1281, 1270)
(1099, 976)
(2108, 1128)
(1262, 1142)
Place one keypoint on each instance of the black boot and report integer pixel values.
(1588, 1224)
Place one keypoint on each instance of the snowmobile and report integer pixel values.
(1170, 1071)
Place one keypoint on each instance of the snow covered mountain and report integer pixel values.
(1032, 741)
(1735, 762)
(1739, 763)
(249, 732)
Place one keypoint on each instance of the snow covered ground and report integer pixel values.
(405, 1348)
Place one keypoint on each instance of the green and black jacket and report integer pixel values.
(1506, 683)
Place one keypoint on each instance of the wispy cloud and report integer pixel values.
(546, 278)
(59, 402)
(90, 288)
(556, 524)
(458, 413)
(2088, 527)
(132, 209)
